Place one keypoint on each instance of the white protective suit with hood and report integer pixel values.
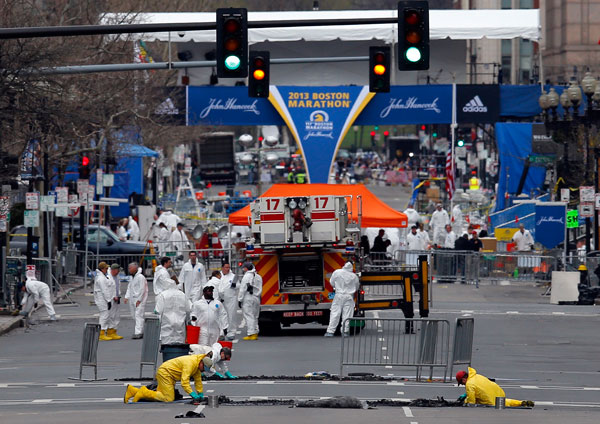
(191, 279)
(162, 280)
(251, 302)
(133, 229)
(219, 365)
(104, 291)
(210, 315)
(170, 219)
(172, 307)
(412, 215)
(345, 283)
(439, 220)
(228, 294)
(137, 291)
(34, 291)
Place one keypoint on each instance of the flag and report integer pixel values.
(449, 174)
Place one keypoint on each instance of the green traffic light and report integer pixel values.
(434, 134)
(376, 128)
(460, 143)
(413, 54)
(232, 62)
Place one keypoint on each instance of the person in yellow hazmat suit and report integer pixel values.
(482, 391)
(177, 369)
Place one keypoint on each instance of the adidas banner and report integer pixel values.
(477, 103)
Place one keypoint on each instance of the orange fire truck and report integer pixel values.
(299, 242)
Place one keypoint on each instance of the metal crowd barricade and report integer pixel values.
(89, 351)
(150, 344)
(462, 350)
(419, 343)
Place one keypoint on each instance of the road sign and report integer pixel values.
(542, 159)
(586, 210)
(586, 194)
(32, 200)
(62, 194)
(572, 218)
(47, 203)
(99, 181)
(31, 218)
(82, 186)
(564, 194)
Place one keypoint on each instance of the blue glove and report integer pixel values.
(462, 398)
(197, 396)
(230, 375)
(218, 374)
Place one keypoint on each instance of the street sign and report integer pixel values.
(47, 203)
(31, 218)
(586, 210)
(32, 200)
(564, 194)
(62, 194)
(597, 200)
(99, 181)
(82, 186)
(586, 194)
(542, 159)
(62, 211)
(572, 218)
(108, 180)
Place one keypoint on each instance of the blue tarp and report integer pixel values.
(514, 146)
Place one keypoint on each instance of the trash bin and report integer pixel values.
(192, 334)
(170, 351)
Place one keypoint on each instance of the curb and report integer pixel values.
(12, 324)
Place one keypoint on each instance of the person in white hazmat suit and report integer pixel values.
(345, 283)
(192, 278)
(179, 243)
(220, 356)
(34, 291)
(162, 278)
(104, 291)
(209, 314)
(457, 219)
(172, 307)
(228, 295)
(249, 299)
(137, 295)
(414, 242)
(439, 220)
(133, 229)
(412, 215)
(115, 316)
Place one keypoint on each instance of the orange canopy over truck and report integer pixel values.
(375, 213)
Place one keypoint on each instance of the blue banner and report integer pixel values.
(412, 104)
(228, 106)
(318, 118)
(550, 222)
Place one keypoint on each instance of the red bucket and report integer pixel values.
(192, 334)
(226, 343)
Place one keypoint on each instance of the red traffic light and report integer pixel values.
(260, 138)
(232, 25)
(85, 161)
(386, 133)
(411, 17)
(372, 133)
(379, 57)
(423, 127)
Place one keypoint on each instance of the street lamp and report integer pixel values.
(572, 97)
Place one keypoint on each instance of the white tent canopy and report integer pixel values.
(453, 24)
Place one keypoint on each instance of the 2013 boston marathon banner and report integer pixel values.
(318, 118)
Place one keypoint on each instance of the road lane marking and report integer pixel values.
(329, 382)
(383, 347)
(399, 393)
(395, 383)
(407, 412)
(529, 387)
(512, 312)
(265, 382)
(64, 385)
(41, 401)
(251, 398)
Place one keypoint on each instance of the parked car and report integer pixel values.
(99, 238)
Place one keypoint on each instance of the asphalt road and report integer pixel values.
(534, 350)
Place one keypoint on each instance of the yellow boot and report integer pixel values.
(112, 333)
(251, 337)
(104, 336)
(144, 394)
(131, 392)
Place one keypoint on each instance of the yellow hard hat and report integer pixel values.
(582, 267)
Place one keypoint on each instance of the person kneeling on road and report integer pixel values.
(345, 283)
(177, 369)
(220, 355)
(482, 391)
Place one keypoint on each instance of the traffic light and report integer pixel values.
(413, 35)
(460, 142)
(373, 133)
(379, 69)
(258, 79)
(232, 43)
(84, 169)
